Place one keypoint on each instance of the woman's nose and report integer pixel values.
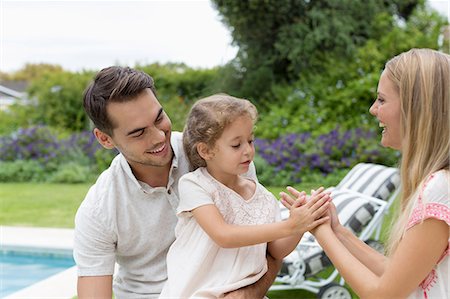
(373, 108)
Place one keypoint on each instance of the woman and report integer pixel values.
(412, 107)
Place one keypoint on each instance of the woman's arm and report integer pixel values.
(371, 258)
(301, 219)
(415, 257)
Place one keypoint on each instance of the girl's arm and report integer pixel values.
(415, 257)
(227, 235)
(280, 248)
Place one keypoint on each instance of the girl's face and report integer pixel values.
(234, 150)
(386, 109)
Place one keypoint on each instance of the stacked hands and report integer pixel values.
(307, 212)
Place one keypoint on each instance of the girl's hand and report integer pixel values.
(306, 216)
(288, 201)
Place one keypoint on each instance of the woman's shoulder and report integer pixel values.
(437, 187)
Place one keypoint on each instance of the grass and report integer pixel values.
(40, 205)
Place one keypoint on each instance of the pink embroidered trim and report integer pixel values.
(428, 283)
(432, 210)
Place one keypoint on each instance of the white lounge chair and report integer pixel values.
(362, 199)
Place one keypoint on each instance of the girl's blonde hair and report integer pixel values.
(208, 119)
(422, 79)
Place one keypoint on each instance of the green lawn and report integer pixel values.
(40, 205)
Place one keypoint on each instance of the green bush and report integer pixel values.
(71, 172)
(21, 171)
(103, 159)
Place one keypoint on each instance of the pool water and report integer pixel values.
(20, 269)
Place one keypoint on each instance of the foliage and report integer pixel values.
(37, 154)
(21, 171)
(71, 172)
(15, 117)
(35, 143)
(31, 71)
(59, 99)
(181, 81)
(316, 103)
(281, 41)
(295, 157)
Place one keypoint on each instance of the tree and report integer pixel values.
(281, 40)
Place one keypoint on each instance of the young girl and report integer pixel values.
(413, 107)
(225, 218)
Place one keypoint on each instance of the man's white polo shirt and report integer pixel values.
(124, 220)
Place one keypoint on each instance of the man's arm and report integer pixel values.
(98, 287)
(259, 288)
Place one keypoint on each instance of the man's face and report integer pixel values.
(141, 131)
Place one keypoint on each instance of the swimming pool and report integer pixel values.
(20, 268)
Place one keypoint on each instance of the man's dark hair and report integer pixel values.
(113, 84)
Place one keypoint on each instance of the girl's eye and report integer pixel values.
(236, 146)
(380, 100)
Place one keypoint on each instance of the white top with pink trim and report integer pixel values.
(434, 202)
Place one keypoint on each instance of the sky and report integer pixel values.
(86, 34)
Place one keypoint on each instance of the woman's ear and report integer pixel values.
(204, 151)
(104, 139)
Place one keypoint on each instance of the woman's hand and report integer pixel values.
(334, 219)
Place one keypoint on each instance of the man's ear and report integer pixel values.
(204, 151)
(104, 139)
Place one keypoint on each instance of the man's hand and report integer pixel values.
(259, 289)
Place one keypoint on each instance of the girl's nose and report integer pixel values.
(249, 149)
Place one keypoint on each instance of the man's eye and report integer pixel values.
(138, 134)
(160, 118)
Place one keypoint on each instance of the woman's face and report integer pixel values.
(386, 109)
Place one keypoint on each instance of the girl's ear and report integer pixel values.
(104, 139)
(204, 151)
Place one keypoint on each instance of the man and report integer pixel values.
(128, 216)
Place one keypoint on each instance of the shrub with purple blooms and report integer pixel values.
(76, 158)
(292, 158)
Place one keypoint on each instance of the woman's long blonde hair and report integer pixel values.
(422, 79)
